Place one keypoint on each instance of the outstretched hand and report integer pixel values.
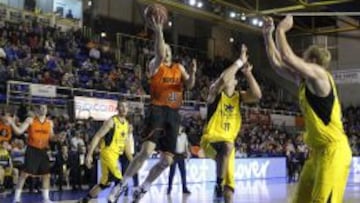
(193, 66)
(88, 161)
(286, 24)
(156, 23)
(247, 68)
(243, 55)
(269, 26)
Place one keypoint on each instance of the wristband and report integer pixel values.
(239, 63)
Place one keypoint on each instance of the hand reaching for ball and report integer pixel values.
(156, 16)
(156, 24)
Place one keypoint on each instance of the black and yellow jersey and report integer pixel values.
(322, 116)
(223, 119)
(113, 143)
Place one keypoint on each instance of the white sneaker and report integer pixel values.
(115, 193)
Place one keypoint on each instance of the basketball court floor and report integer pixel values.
(255, 191)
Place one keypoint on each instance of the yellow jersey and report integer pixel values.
(322, 116)
(113, 144)
(4, 157)
(223, 119)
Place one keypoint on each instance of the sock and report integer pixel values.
(17, 195)
(219, 181)
(146, 185)
(125, 181)
(46, 194)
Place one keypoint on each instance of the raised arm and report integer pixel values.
(305, 69)
(227, 75)
(189, 78)
(253, 94)
(159, 46)
(105, 128)
(22, 128)
(273, 54)
(312, 72)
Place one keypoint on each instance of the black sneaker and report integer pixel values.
(84, 200)
(126, 191)
(218, 191)
(138, 194)
(186, 191)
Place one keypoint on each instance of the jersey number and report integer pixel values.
(172, 97)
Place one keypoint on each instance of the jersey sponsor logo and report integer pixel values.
(229, 108)
(41, 131)
(170, 80)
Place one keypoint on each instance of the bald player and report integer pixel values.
(162, 123)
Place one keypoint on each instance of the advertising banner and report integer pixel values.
(98, 109)
(43, 90)
(203, 170)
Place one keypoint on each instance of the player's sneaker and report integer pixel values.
(218, 191)
(116, 192)
(138, 194)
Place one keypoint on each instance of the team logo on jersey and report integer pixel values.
(229, 108)
(123, 134)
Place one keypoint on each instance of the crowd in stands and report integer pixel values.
(41, 54)
(351, 117)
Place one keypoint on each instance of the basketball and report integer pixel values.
(157, 11)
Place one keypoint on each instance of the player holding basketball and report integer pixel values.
(163, 120)
(40, 132)
(324, 175)
(224, 122)
(114, 140)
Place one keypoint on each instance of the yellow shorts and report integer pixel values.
(324, 176)
(210, 152)
(109, 164)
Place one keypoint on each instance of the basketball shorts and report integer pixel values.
(109, 169)
(36, 161)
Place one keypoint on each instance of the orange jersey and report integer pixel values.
(5, 132)
(39, 133)
(166, 88)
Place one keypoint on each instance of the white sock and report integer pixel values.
(125, 181)
(46, 194)
(146, 185)
(17, 195)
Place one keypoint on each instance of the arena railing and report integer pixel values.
(20, 92)
(16, 15)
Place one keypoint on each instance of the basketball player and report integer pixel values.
(324, 176)
(162, 125)
(224, 121)
(6, 167)
(113, 139)
(40, 132)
